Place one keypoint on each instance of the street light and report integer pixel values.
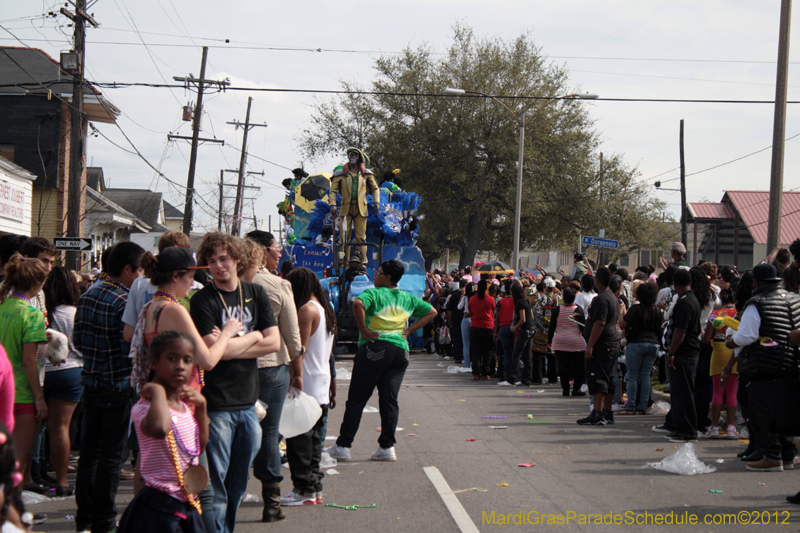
(521, 123)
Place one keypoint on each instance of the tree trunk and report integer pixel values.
(474, 224)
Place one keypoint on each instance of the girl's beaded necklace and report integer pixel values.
(174, 442)
(19, 296)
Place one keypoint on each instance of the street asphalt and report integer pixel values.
(581, 473)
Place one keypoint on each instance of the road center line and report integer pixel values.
(457, 511)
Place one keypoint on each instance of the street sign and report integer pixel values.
(603, 243)
(72, 243)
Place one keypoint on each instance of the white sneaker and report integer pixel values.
(338, 452)
(504, 384)
(712, 433)
(732, 433)
(384, 454)
(294, 499)
(518, 383)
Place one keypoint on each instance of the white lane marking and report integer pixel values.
(457, 511)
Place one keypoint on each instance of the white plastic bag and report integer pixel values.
(660, 408)
(683, 462)
(300, 413)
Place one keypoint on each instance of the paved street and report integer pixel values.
(581, 470)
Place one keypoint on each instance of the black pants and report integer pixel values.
(457, 340)
(776, 448)
(703, 388)
(522, 350)
(744, 403)
(376, 364)
(304, 453)
(552, 367)
(152, 510)
(106, 416)
(481, 342)
(572, 366)
(682, 417)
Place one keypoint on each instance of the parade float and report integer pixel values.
(312, 240)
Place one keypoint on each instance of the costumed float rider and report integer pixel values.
(353, 184)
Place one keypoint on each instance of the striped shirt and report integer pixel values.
(157, 467)
(567, 337)
(98, 336)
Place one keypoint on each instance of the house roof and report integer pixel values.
(16, 170)
(32, 71)
(142, 203)
(710, 211)
(172, 212)
(753, 207)
(98, 203)
(95, 179)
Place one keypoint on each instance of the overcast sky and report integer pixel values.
(616, 49)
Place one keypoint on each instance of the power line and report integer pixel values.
(124, 85)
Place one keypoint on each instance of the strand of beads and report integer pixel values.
(173, 447)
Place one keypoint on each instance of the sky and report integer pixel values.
(719, 50)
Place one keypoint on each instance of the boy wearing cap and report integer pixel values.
(678, 257)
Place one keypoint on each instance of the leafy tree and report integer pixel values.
(460, 153)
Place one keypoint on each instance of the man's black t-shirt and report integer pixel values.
(232, 384)
(686, 315)
(456, 314)
(520, 305)
(604, 307)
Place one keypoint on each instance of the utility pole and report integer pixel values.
(683, 193)
(779, 130)
(198, 112)
(600, 250)
(221, 198)
(238, 207)
(75, 191)
(232, 222)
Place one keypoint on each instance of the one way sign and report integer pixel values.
(72, 243)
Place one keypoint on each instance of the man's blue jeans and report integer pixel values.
(233, 441)
(273, 384)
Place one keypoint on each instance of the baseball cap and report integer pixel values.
(765, 272)
(176, 258)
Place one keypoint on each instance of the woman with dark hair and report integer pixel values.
(317, 323)
(62, 383)
(286, 267)
(703, 387)
(642, 326)
(523, 322)
(481, 308)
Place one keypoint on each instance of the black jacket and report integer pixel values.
(780, 314)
